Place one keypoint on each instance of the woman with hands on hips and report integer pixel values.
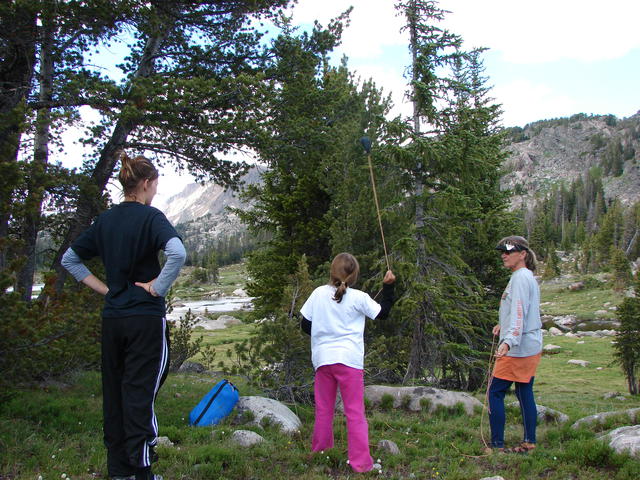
(520, 346)
(135, 353)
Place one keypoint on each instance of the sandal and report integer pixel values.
(492, 450)
(523, 448)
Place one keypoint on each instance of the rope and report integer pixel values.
(486, 396)
(375, 197)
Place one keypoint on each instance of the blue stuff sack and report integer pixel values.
(215, 405)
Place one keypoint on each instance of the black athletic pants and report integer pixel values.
(135, 360)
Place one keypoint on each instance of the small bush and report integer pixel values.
(386, 402)
(183, 345)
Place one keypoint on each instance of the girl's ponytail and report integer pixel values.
(344, 273)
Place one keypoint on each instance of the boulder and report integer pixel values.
(582, 363)
(624, 440)
(389, 447)
(414, 398)
(164, 442)
(229, 320)
(546, 414)
(599, 418)
(262, 408)
(192, 367)
(555, 331)
(239, 292)
(601, 312)
(609, 395)
(551, 348)
(246, 438)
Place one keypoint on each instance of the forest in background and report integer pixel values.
(200, 82)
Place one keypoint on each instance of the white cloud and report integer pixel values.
(548, 30)
(524, 102)
(374, 24)
(523, 32)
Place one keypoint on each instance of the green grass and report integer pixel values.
(224, 340)
(53, 430)
(230, 278)
(557, 299)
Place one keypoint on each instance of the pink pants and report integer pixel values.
(351, 383)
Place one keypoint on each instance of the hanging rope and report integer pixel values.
(488, 379)
(366, 143)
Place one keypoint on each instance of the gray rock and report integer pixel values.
(164, 442)
(192, 367)
(414, 398)
(551, 348)
(582, 363)
(246, 438)
(554, 331)
(633, 414)
(624, 439)
(601, 312)
(564, 320)
(263, 408)
(546, 414)
(389, 446)
(239, 292)
(609, 395)
(576, 286)
(228, 320)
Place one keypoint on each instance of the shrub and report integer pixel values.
(386, 402)
(183, 345)
(43, 339)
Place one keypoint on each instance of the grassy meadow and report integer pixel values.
(53, 430)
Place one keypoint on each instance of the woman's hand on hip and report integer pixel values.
(148, 287)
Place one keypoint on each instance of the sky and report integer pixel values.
(545, 59)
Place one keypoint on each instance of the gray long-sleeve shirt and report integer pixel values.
(520, 325)
(174, 250)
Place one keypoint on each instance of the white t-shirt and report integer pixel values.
(337, 328)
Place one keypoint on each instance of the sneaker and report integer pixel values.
(146, 474)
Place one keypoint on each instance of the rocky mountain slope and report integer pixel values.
(550, 151)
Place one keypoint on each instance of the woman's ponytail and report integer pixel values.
(133, 171)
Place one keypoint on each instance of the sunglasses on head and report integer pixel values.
(510, 248)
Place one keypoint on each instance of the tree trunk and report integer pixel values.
(16, 72)
(91, 193)
(415, 364)
(37, 169)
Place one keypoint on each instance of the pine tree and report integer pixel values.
(452, 163)
(620, 268)
(627, 344)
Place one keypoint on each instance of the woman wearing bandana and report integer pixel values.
(520, 346)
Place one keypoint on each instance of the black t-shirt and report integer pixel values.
(128, 237)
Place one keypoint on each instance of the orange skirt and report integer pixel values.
(517, 369)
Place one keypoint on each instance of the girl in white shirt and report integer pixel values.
(334, 315)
